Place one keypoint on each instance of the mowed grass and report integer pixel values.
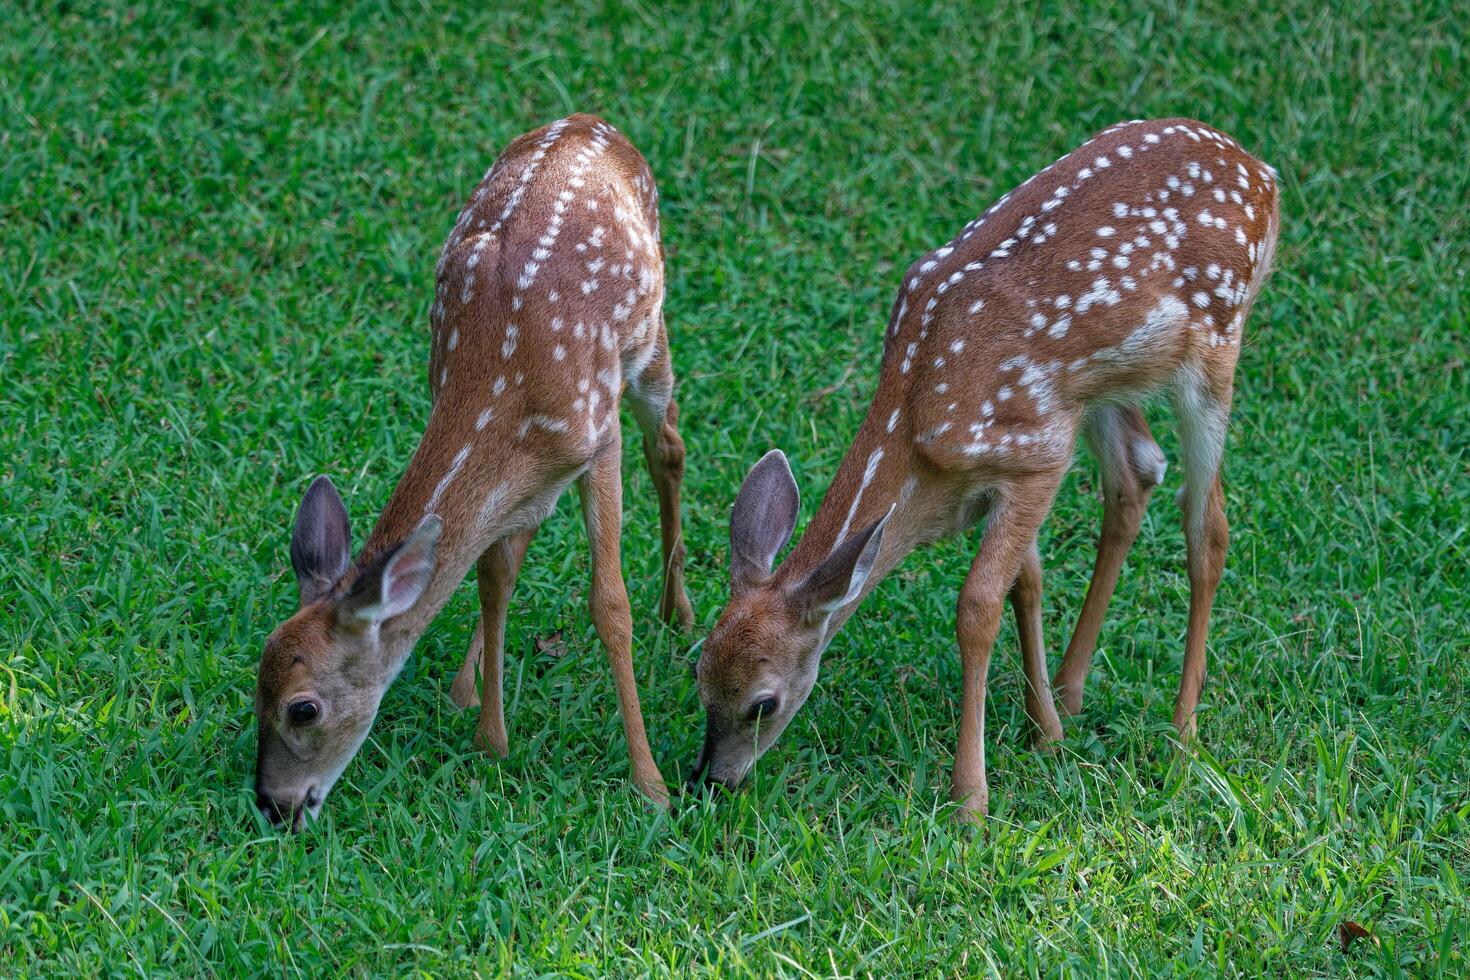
(218, 225)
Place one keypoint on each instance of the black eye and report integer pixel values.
(761, 708)
(303, 712)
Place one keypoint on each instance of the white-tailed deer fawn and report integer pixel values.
(548, 300)
(1125, 268)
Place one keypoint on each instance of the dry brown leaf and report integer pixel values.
(551, 645)
(1348, 930)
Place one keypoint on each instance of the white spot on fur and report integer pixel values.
(454, 467)
(540, 422)
(869, 470)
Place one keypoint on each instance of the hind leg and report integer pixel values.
(1131, 464)
(1026, 604)
(1204, 413)
(651, 397)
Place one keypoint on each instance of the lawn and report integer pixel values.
(218, 228)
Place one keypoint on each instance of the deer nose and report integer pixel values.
(699, 776)
(277, 812)
(284, 814)
(710, 786)
(702, 780)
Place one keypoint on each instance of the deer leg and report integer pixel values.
(1009, 534)
(493, 570)
(465, 690)
(1026, 604)
(498, 568)
(1204, 412)
(601, 491)
(1131, 464)
(652, 400)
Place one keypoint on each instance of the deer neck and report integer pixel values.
(877, 474)
(464, 481)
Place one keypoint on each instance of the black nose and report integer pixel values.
(702, 781)
(275, 811)
(284, 815)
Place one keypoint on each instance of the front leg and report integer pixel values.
(481, 678)
(601, 491)
(1009, 535)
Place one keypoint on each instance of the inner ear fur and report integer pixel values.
(390, 583)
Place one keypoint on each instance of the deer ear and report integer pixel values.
(762, 520)
(839, 580)
(391, 584)
(321, 543)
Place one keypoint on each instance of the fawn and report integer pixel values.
(548, 300)
(1125, 268)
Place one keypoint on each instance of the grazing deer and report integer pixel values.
(1125, 268)
(548, 300)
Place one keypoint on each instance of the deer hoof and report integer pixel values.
(654, 791)
(492, 744)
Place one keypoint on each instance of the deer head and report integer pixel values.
(325, 669)
(759, 663)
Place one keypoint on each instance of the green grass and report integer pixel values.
(218, 225)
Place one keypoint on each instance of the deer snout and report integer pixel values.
(700, 776)
(702, 781)
(288, 814)
(713, 767)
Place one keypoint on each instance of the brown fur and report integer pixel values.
(1124, 269)
(548, 306)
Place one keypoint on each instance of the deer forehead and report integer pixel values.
(292, 651)
(753, 633)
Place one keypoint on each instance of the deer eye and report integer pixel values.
(762, 708)
(303, 712)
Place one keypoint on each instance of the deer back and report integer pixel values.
(1099, 278)
(548, 296)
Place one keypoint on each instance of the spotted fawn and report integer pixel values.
(1124, 269)
(548, 305)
